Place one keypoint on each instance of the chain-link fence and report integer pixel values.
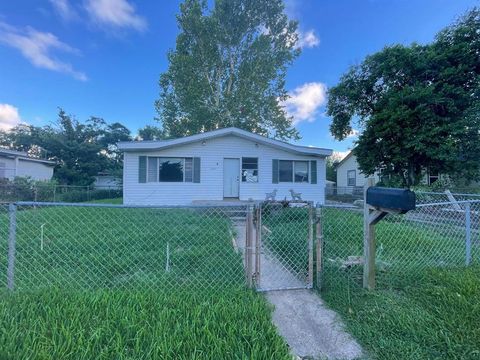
(101, 246)
(119, 247)
(38, 192)
(436, 235)
(354, 195)
(284, 245)
(272, 245)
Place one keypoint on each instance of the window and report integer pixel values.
(432, 177)
(293, 171)
(152, 169)
(301, 171)
(351, 178)
(285, 171)
(250, 170)
(169, 169)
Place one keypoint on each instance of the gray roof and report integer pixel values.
(133, 146)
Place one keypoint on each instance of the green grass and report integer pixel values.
(287, 236)
(425, 305)
(97, 248)
(102, 288)
(117, 201)
(108, 324)
(437, 318)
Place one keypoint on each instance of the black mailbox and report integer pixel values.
(401, 200)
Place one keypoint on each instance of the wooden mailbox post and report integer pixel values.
(378, 203)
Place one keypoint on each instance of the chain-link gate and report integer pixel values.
(281, 245)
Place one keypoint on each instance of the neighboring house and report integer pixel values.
(221, 164)
(17, 163)
(349, 176)
(106, 181)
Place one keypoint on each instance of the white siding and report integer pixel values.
(210, 187)
(7, 168)
(342, 172)
(35, 170)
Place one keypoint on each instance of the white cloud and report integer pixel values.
(64, 9)
(37, 47)
(9, 117)
(305, 100)
(307, 39)
(115, 13)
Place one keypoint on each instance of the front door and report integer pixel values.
(231, 178)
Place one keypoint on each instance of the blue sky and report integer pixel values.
(104, 57)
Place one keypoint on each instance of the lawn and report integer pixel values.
(426, 303)
(130, 284)
(436, 318)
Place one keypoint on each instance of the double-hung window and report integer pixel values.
(351, 178)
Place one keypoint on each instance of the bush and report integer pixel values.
(82, 195)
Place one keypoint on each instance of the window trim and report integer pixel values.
(354, 177)
(157, 171)
(258, 169)
(309, 172)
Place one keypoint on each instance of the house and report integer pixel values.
(17, 163)
(105, 180)
(224, 164)
(350, 178)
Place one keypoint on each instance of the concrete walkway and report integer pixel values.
(307, 325)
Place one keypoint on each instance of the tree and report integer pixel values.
(81, 151)
(228, 69)
(150, 132)
(331, 166)
(417, 106)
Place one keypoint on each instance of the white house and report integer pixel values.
(349, 175)
(18, 163)
(225, 164)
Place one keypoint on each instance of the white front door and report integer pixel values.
(231, 177)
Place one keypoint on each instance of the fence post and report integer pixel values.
(319, 244)
(368, 242)
(468, 235)
(310, 244)
(248, 245)
(54, 192)
(12, 234)
(258, 242)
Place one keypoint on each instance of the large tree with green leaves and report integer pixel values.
(228, 69)
(81, 150)
(418, 106)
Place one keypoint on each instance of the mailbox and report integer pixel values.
(401, 200)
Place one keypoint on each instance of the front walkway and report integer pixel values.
(307, 325)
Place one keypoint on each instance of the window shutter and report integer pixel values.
(313, 171)
(142, 169)
(275, 171)
(196, 170)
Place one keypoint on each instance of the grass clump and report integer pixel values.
(117, 324)
(436, 318)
